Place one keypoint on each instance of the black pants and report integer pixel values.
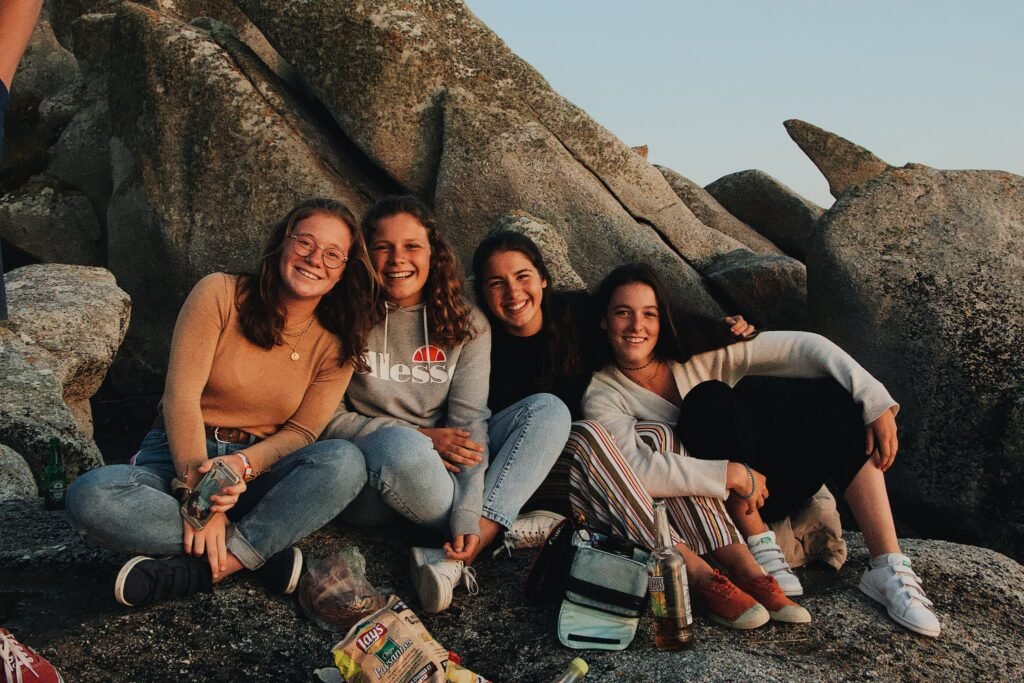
(798, 433)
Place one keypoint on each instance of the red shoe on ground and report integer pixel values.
(22, 664)
(729, 606)
(766, 590)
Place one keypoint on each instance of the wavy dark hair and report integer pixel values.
(345, 311)
(698, 334)
(562, 348)
(449, 315)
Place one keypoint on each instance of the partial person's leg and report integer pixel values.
(318, 482)
(408, 474)
(525, 440)
(129, 508)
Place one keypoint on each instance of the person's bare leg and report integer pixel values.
(748, 524)
(738, 561)
(698, 571)
(17, 19)
(489, 530)
(869, 502)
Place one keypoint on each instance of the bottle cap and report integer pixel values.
(579, 666)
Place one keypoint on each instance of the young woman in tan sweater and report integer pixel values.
(258, 363)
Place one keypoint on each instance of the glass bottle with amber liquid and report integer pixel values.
(54, 479)
(669, 589)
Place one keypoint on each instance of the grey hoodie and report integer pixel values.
(412, 383)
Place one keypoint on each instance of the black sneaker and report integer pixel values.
(143, 580)
(280, 574)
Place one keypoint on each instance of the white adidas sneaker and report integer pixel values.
(769, 555)
(435, 578)
(891, 581)
(529, 530)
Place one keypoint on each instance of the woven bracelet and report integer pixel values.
(753, 483)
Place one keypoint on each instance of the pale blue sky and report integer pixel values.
(708, 84)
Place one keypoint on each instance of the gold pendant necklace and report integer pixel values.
(294, 347)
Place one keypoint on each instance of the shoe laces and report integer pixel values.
(469, 578)
(719, 585)
(15, 657)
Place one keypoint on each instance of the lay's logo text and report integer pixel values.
(364, 641)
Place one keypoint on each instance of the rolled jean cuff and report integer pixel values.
(498, 518)
(241, 548)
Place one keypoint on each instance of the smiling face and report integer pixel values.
(513, 290)
(400, 253)
(633, 322)
(306, 278)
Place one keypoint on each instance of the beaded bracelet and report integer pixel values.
(753, 483)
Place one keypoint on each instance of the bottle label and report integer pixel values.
(656, 584)
(57, 490)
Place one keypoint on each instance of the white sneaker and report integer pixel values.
(895, 585)
(769, 555)
(435, 577)
(530, 530)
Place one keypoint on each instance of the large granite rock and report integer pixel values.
(714, 215)
(52, 224)
(843, 163)
(424, 88)
(16, 479)
(66, 324)
(769, 289)
(917, 272)
(67, 612)
(768, 206)
(208, 151)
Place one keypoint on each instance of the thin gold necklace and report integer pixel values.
(294, 347)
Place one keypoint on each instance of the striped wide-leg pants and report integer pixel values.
(604, 488)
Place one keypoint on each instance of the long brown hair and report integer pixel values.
(449, 316)
(562, 346)
(697, 334)
(345, 311)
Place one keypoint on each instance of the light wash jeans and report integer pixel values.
(130, 509)
(407, 476)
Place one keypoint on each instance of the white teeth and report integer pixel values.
(635, 340)
(307, 274)
(515, 308)
(398, 276)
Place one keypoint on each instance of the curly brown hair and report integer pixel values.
(449, 315)
(345, 311)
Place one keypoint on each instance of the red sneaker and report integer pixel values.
(766, 590)
(22, 664)
(729, 606)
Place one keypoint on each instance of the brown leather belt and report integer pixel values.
(218, 434)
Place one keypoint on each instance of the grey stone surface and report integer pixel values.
(387, 84)
(16, 479)
(918, 273)
(480, 172)
(61, 592)
(768, 289)
(51, 223)
(552, 246)
(843, 163)
(714, 215)
(203, 164)
(66, 323)
(768, 206)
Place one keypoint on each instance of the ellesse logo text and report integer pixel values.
(429, 366)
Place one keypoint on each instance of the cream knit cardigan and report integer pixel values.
(618, 402)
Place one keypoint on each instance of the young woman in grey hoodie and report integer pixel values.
(420, 415)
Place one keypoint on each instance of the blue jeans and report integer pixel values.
(407, 476)
(130, 509)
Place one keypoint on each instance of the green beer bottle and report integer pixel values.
(54, 481)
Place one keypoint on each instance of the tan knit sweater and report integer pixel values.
(217, 377)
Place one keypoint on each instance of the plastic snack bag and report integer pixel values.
(334, 592)
(390, 646)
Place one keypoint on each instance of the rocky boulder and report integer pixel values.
(714, 215)
(52, 224)
(770, 289)
(66, 323)
(917, 272)
(768, 206)
(209, 150)
(15, 476)
(429, 92)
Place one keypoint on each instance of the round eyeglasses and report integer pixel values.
(304, 245)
